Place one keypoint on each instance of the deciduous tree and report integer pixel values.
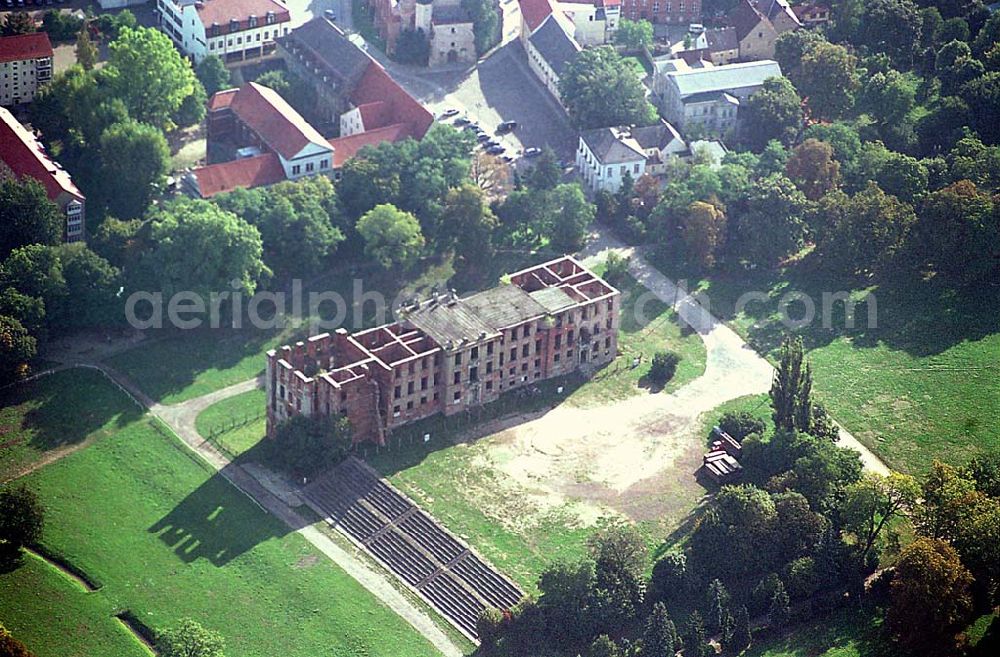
(813, 169)
(873, 503)
(392, 236)
(17, 348)
(703, 228)
(197, 246)
(27, 216)
(599, 90)
(213, 74)
(634, 35)
(17, 22)
(930, 596)
(134, 161)
(861, 235)
(149, 74)
(960, 231)
(189, 639)
(22, 519)
(828, 79)
(774, 112)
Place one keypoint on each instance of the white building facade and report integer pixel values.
(25, 67)
(234, 30)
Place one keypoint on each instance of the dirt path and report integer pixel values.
(733, 368)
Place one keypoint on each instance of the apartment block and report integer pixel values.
(25, 66)
(448, 354)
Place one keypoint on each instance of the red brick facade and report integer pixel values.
(448, 354)
(663, 11)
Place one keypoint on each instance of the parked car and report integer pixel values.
(482, 138)
(507, 158)
(493, 142)
(331, 14)
(495, 150)
(448, 113)
(462, 121)
(506, 126)
(532, 152)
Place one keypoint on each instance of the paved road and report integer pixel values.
(732, 369)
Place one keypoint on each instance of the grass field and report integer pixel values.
(916, 384)
(57, 412)
(56, 616)
(235, 424)
(647, 325)
(182, 367)
(167, 538)
(848, 632)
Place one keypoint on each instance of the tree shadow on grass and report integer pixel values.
(921, 315)
(216, 522)
(858, 625)
(58, 411)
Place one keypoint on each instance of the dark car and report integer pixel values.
(462, 121)
(482, 137)
(506, 126)
(495, 150)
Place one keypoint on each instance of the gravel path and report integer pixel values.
(181, 419)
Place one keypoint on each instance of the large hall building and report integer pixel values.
(448, 354)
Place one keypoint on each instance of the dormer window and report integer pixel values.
(269, 17)
(214, 30)
(253, 21)
(234, 25)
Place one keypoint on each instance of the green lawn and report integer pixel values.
(647, 325)
(55, 412)
(167, 538)
(188, 365)
(917, 385)
(639, 65)
(467, 497)
(849, 632)
(53, 615)
(235, 424)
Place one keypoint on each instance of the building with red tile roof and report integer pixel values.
(247, 173)
(380, 102)
(22, 156)
(533, 14)
(235, 30)
(25, 66)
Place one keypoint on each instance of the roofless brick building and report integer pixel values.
(447, 354)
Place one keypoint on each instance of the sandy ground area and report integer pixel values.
(637, 457)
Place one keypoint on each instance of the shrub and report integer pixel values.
(616, 269)
(489, 626)
(304, 445)
(740, 424)
(21, 520)
(670, 580)
(663, 367)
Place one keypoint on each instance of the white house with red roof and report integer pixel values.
(25, 66)
(22, 156)
(273, 142)
(235, 30)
